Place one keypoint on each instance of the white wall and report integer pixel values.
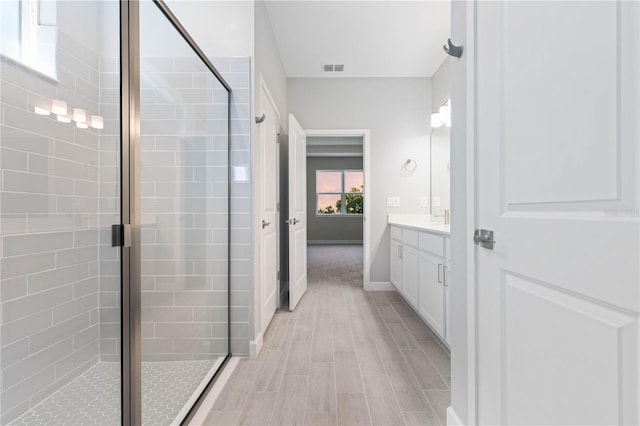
(396, 110)
(220, 27)
(462, 161)
(441, 84)
(268, 64)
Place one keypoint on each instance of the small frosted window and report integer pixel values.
(28, 33)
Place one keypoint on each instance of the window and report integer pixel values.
(28, 33)
(339, 192)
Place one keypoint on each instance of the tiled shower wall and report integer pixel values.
(60, 195)
(50, 238)
(184, 208)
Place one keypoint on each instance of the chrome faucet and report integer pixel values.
(446, 215)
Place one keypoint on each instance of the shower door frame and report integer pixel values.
(131, 272)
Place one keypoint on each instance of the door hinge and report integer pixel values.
(121, 235)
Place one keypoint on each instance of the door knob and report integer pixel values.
(265, 223)
(295, 221)
(484, 238)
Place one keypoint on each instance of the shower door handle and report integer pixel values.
(121, 235)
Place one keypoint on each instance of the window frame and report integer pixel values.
(343, 194)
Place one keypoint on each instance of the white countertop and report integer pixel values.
(420, 222)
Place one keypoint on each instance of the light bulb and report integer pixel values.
(59, 107)
(436, 120)
(80, 125)
(97, 122)
(41, 111)
(79, 115)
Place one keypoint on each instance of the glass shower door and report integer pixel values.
(184, 220)
(60, 194)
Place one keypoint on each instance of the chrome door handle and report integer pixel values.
(291, 221)
(440, 273)
(484, 238)
(295, 221)
(265, 223)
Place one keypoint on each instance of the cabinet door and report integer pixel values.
(431, 293)
(410, 275)
(396, 265)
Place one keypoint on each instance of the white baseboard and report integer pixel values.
(452, 418)
(255, 346)
(334, 242)
(207, 405)
(379, 286)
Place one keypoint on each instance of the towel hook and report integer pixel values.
(410, 165)
(260, 119)
(452, 49)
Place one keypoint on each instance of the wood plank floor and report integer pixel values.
(343, 357)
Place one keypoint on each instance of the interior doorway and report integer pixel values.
(338, 193)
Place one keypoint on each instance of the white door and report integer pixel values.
(268, 133)
(557, 180)
(297, 212)
(431, 294)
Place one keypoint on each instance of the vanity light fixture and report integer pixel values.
(59, 107)
(79, 115)
(64, 118)
(97, 122)
(41, 111)
(442, 117)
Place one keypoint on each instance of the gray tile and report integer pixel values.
(403, 337)
(348, 378)
(383, 406)
(290, 404)
(221, 418)
(258, 408)
(419, 329)
(322, 348)
(320, 419)
(406, 387)
(271, 371)
(234, 394)
(425, 373)
(321, 397)
(440, 401)
(352, 409)
(389, 314)
(368, 359)
(421, 418)
(438, 357)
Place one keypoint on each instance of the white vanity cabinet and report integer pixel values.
(420, 273)
(431, 303)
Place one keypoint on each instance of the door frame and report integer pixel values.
(366, 160)
(463, 193)
(255, 344)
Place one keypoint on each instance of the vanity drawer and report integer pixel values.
(396, 233)
(432, 243)
(410, 237)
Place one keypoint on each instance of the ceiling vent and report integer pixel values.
(333, 67)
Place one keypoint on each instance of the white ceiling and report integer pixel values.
(391, 38)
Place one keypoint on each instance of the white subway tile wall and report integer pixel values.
(184, 211)
(50, 222)
(60, 277)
